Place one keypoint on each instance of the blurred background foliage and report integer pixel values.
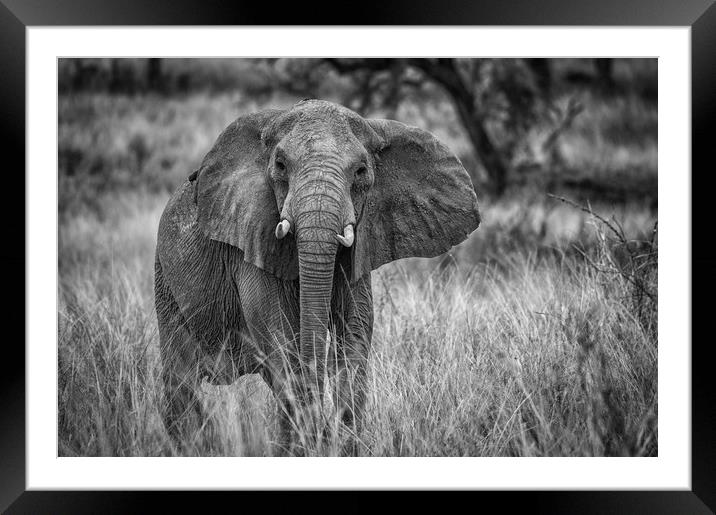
(587, 125)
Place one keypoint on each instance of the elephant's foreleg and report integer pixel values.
(270, 313)
(285, 441)
(282, 374)
(350, 398)
(353, 322)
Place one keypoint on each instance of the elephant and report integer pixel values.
(264, 256)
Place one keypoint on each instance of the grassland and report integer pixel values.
(535, 337)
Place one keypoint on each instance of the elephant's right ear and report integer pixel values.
(236, 204)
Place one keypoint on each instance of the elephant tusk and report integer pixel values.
(347, 237)
(282, 229)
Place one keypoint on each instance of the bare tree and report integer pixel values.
(472, 85)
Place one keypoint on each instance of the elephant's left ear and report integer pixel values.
(421, 204)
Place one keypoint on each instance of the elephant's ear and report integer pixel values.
(236, 203)
(421, 204)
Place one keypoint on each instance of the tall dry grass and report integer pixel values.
(534, 353)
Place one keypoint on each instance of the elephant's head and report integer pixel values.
(293, 188)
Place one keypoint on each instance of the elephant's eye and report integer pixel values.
(362, 179)
(279, 170)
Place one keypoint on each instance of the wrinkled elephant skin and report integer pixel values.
(268, 247)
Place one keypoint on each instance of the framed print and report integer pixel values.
(423, 252)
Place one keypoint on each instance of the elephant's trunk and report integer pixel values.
(318, 208)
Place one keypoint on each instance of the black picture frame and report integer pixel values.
(17, 15)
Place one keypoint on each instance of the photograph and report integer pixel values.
(357, 257)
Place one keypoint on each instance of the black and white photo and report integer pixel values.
(373, 257)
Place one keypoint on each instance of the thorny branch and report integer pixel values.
(634, 275)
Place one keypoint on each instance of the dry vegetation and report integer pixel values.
(536, 337)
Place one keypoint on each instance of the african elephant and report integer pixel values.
(267, 248)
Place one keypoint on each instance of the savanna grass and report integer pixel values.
(527, 354)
